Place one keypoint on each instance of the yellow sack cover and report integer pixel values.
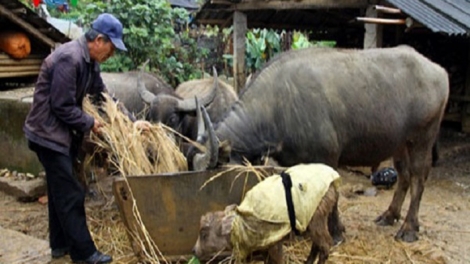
(262, 218)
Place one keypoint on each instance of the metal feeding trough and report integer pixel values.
(171, 205)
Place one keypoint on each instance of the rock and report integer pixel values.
(21, 176)
(30, 176)
(42, 174)
(16, 247)
(43, 199)
(14, 174)
(23, 190)
(4, 172)
(372, 191)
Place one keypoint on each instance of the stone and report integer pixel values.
(16, 247)
(372, 191)
(4, 172)
(23, 190)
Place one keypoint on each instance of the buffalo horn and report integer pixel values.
(146, 96)
(201, 129)
(208, 160)
(189, 105)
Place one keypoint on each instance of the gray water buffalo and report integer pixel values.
(123, 86)
(341, 108)
(178, 110)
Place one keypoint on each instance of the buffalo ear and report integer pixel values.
(227, 222)
(230, 208)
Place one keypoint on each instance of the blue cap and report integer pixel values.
(110, 26)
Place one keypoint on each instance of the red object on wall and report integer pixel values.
(36, 3)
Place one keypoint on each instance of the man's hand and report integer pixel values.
(96, 127)
(142, 125)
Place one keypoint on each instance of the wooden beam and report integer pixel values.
(227, 21)
(466, 106)
(4, 56)
(239, 33)
(45, 30)
(211, 21)
(26, 26)
(21, 10)
(388, 10)
(12, 62)
(318, 4)
(18, 74)
(373, 34)
(373, 20)
(20, 68)
(221, 2)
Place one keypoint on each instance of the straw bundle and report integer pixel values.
(132, 151)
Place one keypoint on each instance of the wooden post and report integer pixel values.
(466, 105)
(373, 33)
(239, 33)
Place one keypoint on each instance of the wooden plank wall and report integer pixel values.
(28, 66)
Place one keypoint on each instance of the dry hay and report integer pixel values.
(132, 152)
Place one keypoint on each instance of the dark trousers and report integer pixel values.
(66, 204)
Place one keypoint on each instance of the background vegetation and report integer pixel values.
(156, 31)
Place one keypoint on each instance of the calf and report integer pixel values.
(263, 220)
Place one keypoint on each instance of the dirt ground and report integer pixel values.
(444, 233)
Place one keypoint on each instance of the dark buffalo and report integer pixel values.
(123, 87)
(342, 108)
(178, 110)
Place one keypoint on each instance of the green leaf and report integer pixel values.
(194, 260)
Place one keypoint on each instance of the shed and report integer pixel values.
(44, 37)
(439, 29)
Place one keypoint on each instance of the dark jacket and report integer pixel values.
(56, 113)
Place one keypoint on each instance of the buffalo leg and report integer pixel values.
(420, 165)
(335, 227)
(275, 254)
(392, 214)
(319, 225)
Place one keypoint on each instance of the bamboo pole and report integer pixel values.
(389, 10)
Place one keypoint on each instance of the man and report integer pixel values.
(55, 127)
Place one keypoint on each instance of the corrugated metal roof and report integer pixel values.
(444, 16)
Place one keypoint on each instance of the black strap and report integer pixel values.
(287, 182)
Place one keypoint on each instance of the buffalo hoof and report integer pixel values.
(407, 235)
(337, 231)
(338, 239)
(386, 219)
